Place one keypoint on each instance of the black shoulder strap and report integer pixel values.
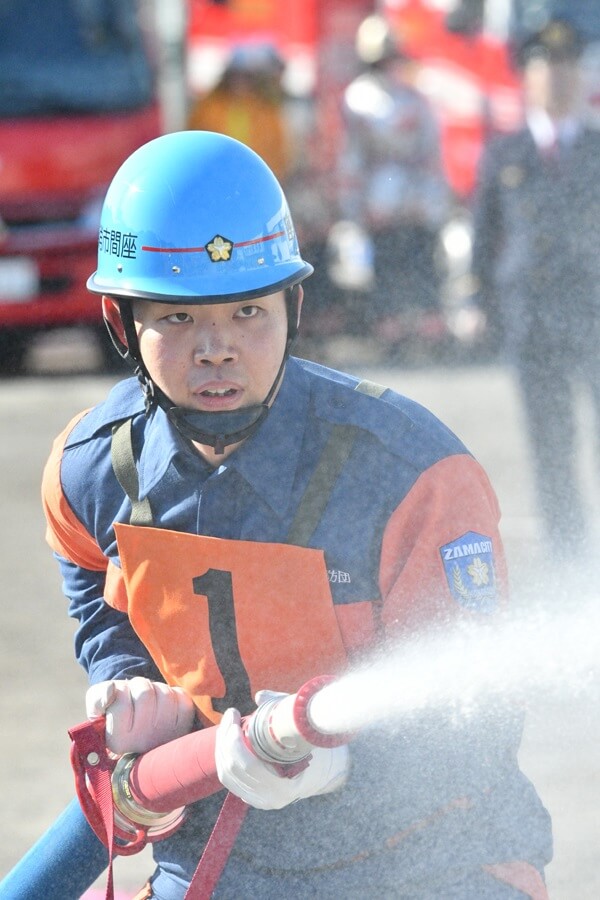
(124, 467)
(319, 489)
(371, 388)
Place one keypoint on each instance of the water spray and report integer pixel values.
(516, 657)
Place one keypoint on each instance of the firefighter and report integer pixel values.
(248, 520)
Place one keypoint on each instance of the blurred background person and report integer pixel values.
(250, 103)
(392, 185)
(535, 263)
(247, 103)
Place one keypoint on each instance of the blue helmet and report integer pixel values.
(196, 217)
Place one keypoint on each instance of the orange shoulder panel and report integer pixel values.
(65, 533)
(449, 499)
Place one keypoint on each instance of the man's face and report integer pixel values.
(216, 357)
(553, 86)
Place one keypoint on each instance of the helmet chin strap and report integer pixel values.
(213, 429)
(221, 429)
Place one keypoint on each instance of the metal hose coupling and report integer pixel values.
(127, 810)
(281, 730)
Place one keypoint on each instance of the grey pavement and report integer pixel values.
(42, 688)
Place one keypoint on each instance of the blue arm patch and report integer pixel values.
(469, 567)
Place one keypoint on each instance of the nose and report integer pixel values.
(214, 347)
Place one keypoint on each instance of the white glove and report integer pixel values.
(140, 714)
(258, 784)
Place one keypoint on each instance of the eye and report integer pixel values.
(247, 312)
(178, 317)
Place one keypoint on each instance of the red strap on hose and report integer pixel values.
(93, 769)
(217, 849)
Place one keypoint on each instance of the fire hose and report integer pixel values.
(149, 792)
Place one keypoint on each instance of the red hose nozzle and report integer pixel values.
(302, 719)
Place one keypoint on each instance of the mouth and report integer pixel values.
(215, 397)
(221, 392)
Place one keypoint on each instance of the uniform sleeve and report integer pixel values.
(447, 523)
(105, 643)
(65, 534)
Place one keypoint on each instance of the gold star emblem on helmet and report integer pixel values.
(219, 249)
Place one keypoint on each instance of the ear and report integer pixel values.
(112, 315)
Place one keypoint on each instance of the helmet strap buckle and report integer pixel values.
(147, 387)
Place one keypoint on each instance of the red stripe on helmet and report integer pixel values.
(269, 237)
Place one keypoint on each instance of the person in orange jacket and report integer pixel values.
(247, 104)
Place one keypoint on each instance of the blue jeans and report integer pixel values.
(61, 865)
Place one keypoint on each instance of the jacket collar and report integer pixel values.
(267, 461)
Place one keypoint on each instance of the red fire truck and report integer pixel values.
(77, 96)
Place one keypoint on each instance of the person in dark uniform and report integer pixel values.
(536, 266)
